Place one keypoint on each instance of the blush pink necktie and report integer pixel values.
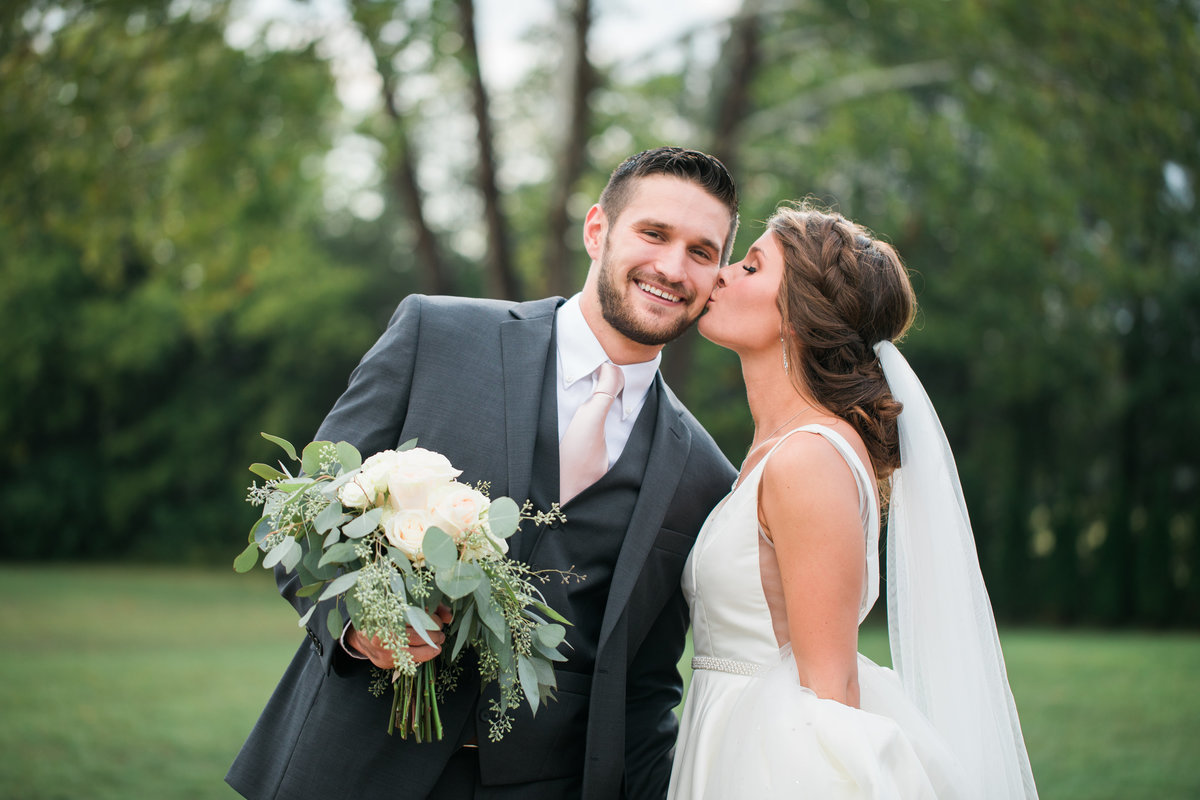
(582, 456)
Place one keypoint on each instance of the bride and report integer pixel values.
(781, 705)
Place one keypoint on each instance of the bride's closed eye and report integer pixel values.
(749, 269)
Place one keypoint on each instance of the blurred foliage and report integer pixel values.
(175, 278)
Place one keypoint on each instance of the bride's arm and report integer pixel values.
(808, 506)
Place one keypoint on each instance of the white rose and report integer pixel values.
(373, 474)
(458, 509)
(405, 530)
(353, 495)
(415, 474)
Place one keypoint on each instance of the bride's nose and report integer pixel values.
(721, 276)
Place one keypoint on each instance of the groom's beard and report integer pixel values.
(616, 309)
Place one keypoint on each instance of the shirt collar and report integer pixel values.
(580, 354)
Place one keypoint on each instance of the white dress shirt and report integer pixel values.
(579, 356)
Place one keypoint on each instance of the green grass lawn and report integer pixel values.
(129, 682)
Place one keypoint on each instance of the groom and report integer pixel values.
(494, 386)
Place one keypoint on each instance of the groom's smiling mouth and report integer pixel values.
(655, 291)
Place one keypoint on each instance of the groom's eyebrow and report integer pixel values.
(666, 227)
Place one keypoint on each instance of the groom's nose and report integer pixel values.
(672, 264)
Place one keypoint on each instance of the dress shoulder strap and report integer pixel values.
(868, 505)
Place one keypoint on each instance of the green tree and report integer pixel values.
(166, 293)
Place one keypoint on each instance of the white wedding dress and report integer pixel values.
(750, 730)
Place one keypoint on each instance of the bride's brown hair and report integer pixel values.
(843, 291)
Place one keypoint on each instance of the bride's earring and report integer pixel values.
(785, 361)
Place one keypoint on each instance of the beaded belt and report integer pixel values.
(724, 665)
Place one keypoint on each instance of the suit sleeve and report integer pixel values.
(369, 415)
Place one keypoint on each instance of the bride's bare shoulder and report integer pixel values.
(807, 478)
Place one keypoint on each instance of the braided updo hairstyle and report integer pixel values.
(842, 292)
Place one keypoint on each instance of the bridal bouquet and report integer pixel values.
(392, 538)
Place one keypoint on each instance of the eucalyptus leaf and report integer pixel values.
(421, 622)
(260, 530)
(284, 443)
(247, 558)
(312, 557)
(334, 622)
(353, 608)
(440, 551)
(460, 580)
(348, 456)
(551, 635)
(548, 652)
(488, 613)
(294, 485)
(494, 620)
(409, 445)
(340, 584)
(361, 525)
(545, 673)
(310, 589)
(400, 560)
(504, 516)
(465, 623)
(329, 518)
(307, 614)
(551, 613)
(310, 459)
(527, 672)
(330, 488)
(339, 553)
(267, 472)
(292, 557)
(277, 552)
(331, 538)
(398, 588)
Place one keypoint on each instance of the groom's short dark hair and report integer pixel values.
(704, 170)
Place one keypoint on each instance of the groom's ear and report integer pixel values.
(595, 228)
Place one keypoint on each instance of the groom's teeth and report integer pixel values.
(654, 290)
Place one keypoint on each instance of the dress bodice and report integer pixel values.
(731, 618)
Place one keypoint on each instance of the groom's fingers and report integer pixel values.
(373, 649)
(415, 640)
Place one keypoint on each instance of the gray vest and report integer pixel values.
(587, 544)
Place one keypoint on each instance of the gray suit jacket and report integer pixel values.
(464, 377)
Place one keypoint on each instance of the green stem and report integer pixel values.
(395, 709)
(433, 703)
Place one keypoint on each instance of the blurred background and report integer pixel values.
(208, 211)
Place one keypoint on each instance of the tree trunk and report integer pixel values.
(435, 276)
(560, 279)
(402, 167)
(502, 275)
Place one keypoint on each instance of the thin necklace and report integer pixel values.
(767, 438)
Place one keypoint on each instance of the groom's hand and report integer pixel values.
(383, 658)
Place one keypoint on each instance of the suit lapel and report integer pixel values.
(524, 348)
(664, 467)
